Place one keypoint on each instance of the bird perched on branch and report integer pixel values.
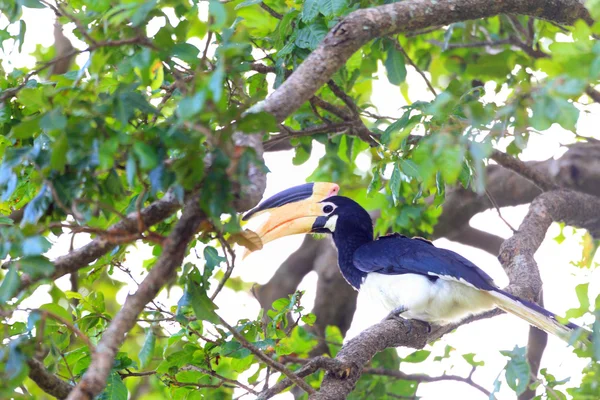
(410, 276)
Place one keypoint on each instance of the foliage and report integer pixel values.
(144, 116)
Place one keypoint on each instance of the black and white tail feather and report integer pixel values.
(536, 316)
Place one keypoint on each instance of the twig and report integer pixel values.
(111, 43)
(77, 22)
(426, 378)
(267, 360)
(491, 198)
(68, 324)
(230, 265)
(270, 11)
(399, 47)
(467, 45)
(310, 366)
(215, 375)
(47, 381)
(313, 130)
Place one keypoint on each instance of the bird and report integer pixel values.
(411, 277)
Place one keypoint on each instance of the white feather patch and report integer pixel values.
(331, 223)
(440, 302)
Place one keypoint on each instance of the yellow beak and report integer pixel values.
(292, 211)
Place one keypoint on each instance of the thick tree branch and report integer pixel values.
(536, 344)
(363, 25)
(470, 236)
(79, 258)
(94, 380)
(539, 179)
(47, 381)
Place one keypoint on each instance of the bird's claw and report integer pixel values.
(394, 315)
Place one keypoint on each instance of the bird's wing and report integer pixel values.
(398, 254)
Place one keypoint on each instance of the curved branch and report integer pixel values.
(361, 26)
(47, 381)
(175, 248)
(79, 258)
(470, 236)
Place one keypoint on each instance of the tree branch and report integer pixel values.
(174, 250)
(361, 26)
(47, 381)
(79, 258)
(534, 176)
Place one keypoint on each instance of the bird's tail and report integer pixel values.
(535, 315)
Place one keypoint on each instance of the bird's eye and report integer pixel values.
(327, 209)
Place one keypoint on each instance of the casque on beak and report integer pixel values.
(291, 211)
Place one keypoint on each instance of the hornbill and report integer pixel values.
(410, 276)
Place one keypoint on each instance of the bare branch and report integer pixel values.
(47, 381)
(540, 180)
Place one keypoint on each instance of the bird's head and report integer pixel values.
(311, 208)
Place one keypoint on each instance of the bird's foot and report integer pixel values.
(395, 314)
(427, 326)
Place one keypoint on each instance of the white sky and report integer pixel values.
(485, 338)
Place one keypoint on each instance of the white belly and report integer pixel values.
(440, 302)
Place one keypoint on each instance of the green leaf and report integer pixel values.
(37, 207)
(217, 11)
(330, 8)
(203, 307)
(417, 356)
(517, 369)
(146, 154)
(35, 246)
(58, 159)
(26, 128)
(409, 168)
(147, 350)
(247, 3)
(334, 339)
(185, 51)
(22, 30)
(258, 122)
(190, 106)
(54, 119)
(115, 388)
(310, 10)
(593, 7)
(31, 3)
(310, 36)
(470, 358)
(394, 64)
(9, 285)
(309, 319)
(395, 182)
(6, 220)
(141, 12)
(36, 266)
